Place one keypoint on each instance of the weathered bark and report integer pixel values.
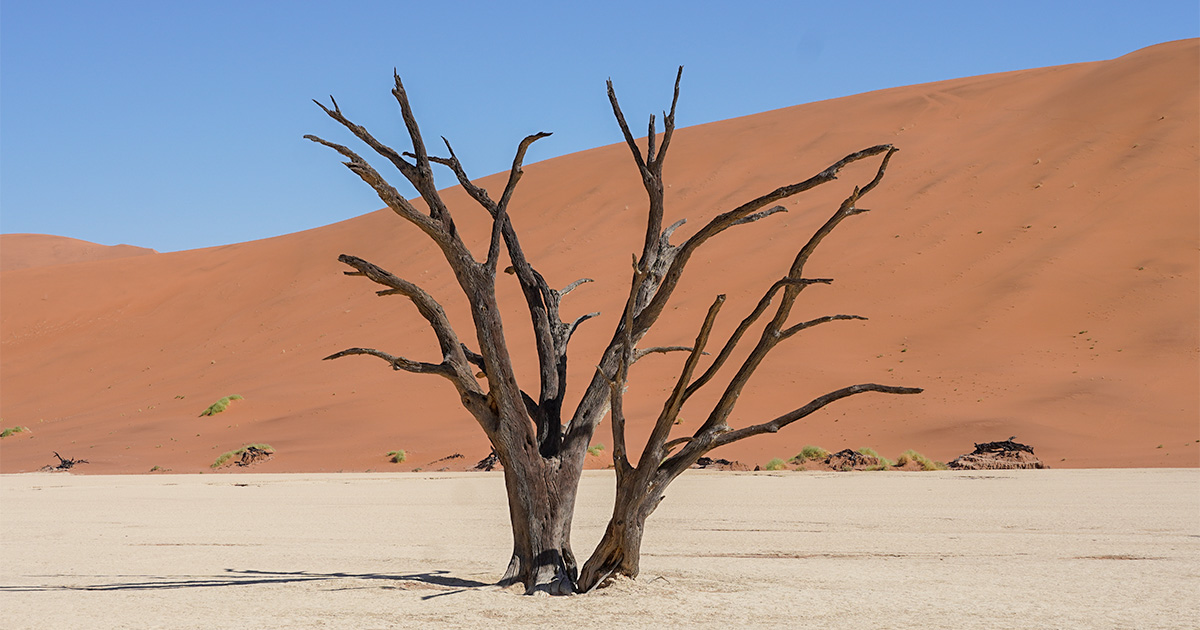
(543, 458)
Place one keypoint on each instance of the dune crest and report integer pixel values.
(1030, 261)
(23, 251)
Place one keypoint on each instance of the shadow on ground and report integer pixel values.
(250, 577)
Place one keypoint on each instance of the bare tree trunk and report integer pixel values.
(541, 503)
(619, 550)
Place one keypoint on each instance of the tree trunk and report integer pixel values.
(541, 503)
(619, 550)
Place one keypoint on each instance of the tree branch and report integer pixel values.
(784, 334)
(639, 353)
(616, 384)
(514, 174)
(633, 147)
(740, 331)
(570, 328)
(400, 363)
(758, 215)
(726, 220)
(846, 209)
(408, 170)
(452, 349)
(806, 410)
(669, 122)
(388, 194)
(620, 456)
(474, 358)
(574, 285)
(771, 335)
(652, 455)
(668, 263)
(410, 123)
(477, 193)
(500, 220)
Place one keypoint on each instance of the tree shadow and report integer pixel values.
(250, 577)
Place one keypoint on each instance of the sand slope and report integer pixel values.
(22, 251)
(1030, 260)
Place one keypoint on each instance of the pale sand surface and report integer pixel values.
(1007, 549)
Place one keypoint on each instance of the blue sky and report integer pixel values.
(178, 125)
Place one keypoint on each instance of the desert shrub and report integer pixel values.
(884, 463)
(397, 457)
(219, 406)
(775, 464)
(225, 457)
(13, 430)
(810, 453)
(595, 450)
(924, 462)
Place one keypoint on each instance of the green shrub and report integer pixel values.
(219, 406)
(397, 457)
(924, 462)
(235, 453)
(775, 464)
(810, 453)
(884, 463)
(14, 430)
(595, 450)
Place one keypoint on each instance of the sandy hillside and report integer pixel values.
(1007, 549)
(1030, 259)
(22, 251)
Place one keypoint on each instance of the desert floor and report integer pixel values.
(1030, 549)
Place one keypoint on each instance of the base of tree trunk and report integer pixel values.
(549, 573)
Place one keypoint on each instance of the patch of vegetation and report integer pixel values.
(219, 406)
(238, 453)
(884, 463)
(775, 464)
(924, 462)
(397, 456)
(595, 450)
(809, 453)
(14, 430)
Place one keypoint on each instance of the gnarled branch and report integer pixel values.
(740, 331)
(784, 334)
(399, 363)
(728, 219)
(788, 418)
(574, 285)
(715, 425)
(387, 193)
(653, 453)
(453, 351)
(640, 353)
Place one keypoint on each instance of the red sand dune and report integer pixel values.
(22, 251)
(1030, 259)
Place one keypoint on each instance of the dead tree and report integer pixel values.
(541, 448)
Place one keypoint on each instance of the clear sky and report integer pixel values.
(178, 124)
